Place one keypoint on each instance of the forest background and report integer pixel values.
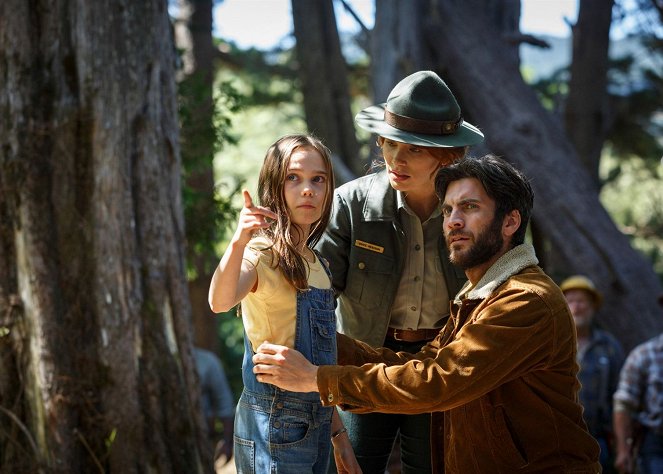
(129, 127)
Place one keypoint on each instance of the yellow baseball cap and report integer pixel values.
(581, 282)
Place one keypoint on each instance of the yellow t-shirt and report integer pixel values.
(269, 313)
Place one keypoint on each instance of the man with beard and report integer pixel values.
(501, 375)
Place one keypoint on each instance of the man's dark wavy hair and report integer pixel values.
(506, 185)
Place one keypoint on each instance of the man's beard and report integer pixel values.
(486, 245)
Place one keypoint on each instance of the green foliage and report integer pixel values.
(111, 439)
(638, 127)
(206, 129)
(553, 90)
(264, 77)
(634, 199)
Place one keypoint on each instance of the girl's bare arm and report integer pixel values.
(234, 277)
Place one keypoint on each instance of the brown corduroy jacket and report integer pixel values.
(501, 373)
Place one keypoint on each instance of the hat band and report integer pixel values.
(428, 127)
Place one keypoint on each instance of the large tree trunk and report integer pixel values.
(324, 83)
(566, 205)
(504, 15)
(585, 110)
(194, 37)
(397, 44)
(92, 287)
(586, 106)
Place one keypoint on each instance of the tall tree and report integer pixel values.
(324, 83)
(504, 15)
(96, 318)
(586, 112)
(397, 44)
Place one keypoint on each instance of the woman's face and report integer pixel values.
(411, 168)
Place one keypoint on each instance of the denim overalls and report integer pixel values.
(277, 431)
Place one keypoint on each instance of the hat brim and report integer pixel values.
(372, 119)
(595, 295)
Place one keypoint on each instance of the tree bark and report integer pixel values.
(324, 83)
(397, 44)
(92, 287)
(504, 15)
(566, 207)
(586, 113)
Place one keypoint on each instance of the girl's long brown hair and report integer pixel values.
(283, 233)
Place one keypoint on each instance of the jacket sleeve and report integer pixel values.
(354, 352)
(334, 244)
(514, 333)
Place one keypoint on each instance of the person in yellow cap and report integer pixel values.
(600, 357)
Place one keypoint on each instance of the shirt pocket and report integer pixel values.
(323, 336)
(370, 276)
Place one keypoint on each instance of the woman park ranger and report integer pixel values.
(387, 256)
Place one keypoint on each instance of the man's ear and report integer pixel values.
(511, 223)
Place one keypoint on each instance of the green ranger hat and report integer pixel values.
(420, 110)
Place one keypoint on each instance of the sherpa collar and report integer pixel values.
(512, 262)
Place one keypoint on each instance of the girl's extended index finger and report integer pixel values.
(248, 202)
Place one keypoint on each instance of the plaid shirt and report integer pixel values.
(640, 386)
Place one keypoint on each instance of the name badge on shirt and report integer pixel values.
(369, 246)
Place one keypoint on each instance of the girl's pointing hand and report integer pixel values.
(252, 218)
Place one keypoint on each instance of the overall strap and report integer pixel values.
(323, 262)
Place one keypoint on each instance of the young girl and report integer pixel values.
(286, 298)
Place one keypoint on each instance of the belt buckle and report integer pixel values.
(397, 335)
(406, 335)
(412, 335)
